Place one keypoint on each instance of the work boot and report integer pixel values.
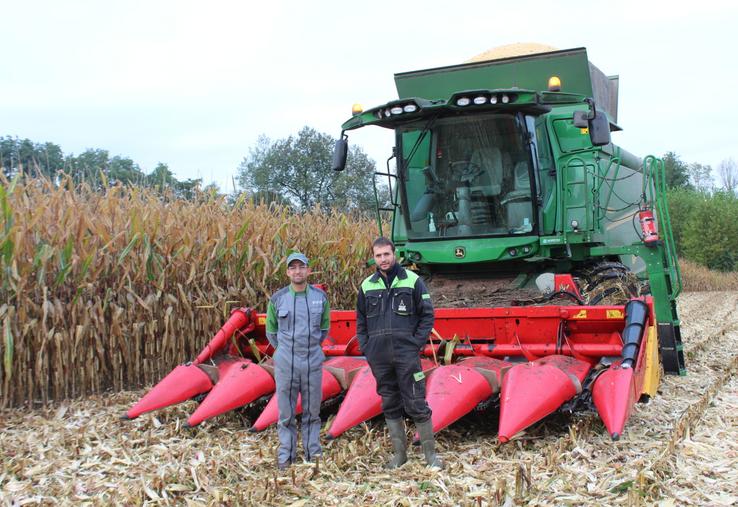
(399, 442)
(425, 431)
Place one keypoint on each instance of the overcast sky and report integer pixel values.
(193, 84)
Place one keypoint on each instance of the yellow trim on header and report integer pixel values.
(262, 320)
(652, 375)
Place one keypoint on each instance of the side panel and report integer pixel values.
(577, 193)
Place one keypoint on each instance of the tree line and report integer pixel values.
(294, 171)
(95, 167)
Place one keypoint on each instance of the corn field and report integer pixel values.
(110, 290)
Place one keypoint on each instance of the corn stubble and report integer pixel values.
(160, 277)
(110, 290)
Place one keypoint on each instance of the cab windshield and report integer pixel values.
(466, 176)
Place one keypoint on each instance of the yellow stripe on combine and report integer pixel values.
(652, 375)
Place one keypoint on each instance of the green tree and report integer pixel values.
(162, 179)
(24, 155)
(298, 170)
(124, 170)
(676, 171)
(682, 203)
(89, 166)
(710, 236)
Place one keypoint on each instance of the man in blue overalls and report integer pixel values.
(298, 317)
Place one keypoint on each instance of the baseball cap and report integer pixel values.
(297, 256)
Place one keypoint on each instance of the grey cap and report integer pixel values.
(297, 256)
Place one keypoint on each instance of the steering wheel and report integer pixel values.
(469, 171)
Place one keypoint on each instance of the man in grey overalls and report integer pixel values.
(298, 317)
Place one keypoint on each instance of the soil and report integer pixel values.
(478, 293)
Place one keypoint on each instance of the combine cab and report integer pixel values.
(546, 248)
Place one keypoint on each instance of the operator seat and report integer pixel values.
(517, 202)
(486, 162)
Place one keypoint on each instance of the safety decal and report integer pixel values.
(614, 314)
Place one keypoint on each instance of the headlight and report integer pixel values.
(505, 99)
(396, 110)
(480, 100)
(463, 101)
(410, 108)
(493, 99)
(387, 113)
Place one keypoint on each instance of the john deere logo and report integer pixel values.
(460, 252)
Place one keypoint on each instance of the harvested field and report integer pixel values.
(679, 449)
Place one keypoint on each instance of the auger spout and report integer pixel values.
(241, 319)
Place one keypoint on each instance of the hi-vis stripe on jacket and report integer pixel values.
(394, 319)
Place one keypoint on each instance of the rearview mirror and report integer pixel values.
(599, 129)
(340, 152)
(598, 125)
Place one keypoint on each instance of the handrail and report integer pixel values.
(653, 169)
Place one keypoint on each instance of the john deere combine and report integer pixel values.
(547, 249)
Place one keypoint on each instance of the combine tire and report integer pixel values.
(608, 283)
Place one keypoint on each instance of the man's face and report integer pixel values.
(298, 272)
(384, 257)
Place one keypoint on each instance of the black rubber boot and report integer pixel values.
(399, 442)
(425, 431)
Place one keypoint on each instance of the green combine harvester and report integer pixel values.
(506, 172)
(547, 251)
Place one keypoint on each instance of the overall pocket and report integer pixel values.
(283, 319)
(403, 303)
(316, 318)
(373, 305)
